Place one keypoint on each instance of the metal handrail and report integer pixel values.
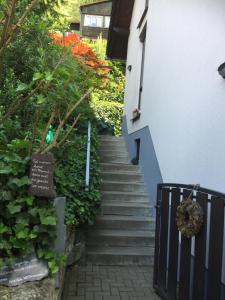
(87, 177)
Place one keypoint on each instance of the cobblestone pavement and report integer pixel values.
(109, 283)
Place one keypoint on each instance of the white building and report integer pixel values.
(174, 115)
(174, 51)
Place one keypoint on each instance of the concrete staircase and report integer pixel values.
(124, 232)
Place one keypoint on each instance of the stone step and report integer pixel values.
(123, 176)
(120, 238)
(118, 167)
(124, 222)
(121, 255)
(116, 147)
(115, 159)
(122, 186)
(120, 147)
(126, 209)
(104, 138)
(111, 152)
(125, 196)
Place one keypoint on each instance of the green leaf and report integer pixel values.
(40, 99)
(1, 263)
(22, 232)
(3, 228)
(14, 208)
(22, 87)
(53, 267)
(6, 170)
(29, 200)
(37, 76)
(49, 220)
(20, 144)
(48, 76)
(33, 235)
(20, 181)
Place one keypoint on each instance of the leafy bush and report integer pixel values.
(27, 224)
(82, 206)
(107, 98)
(108, 114)
(40, 84)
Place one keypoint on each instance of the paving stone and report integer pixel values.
(102, 294)
(114, 291)
(89, 296)
(80, 292)
(111, 298)
(110, 283)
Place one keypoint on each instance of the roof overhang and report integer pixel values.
(94, 3)
(119, 29)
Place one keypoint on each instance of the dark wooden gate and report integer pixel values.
(189, 269)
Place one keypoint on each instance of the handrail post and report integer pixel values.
(87, 178)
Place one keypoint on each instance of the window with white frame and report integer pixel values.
(93, 21)
(107, 22)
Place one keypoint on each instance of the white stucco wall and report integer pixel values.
(183, 99)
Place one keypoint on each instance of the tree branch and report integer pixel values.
(69, 131)
(7, 25)
(17, 25)
(61, 124)
(14, 106)
(45, 132)
(38, 113)
(48, 148)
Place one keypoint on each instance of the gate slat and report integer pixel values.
(215, 249)
(185, 263)
(200, 253)
(157, 233)
(173, 246)
(163, 239)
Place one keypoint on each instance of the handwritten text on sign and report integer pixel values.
(41, 174)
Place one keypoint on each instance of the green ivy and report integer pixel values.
(27, 224)
(82, 206)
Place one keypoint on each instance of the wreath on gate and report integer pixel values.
(189, 218)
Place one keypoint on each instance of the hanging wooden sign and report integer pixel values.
(41, 175)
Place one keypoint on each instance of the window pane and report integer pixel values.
(93, 21)
(99, 21)
(87, 20)
(107, 22)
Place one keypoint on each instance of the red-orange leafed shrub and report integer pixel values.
(82, 51)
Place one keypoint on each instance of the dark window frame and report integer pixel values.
(144, 14)
(137, 145)
(142, 38)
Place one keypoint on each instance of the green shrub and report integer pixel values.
(107, 99)
(37, 79)
(27, 224)
(82, 206)
(108, 114)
